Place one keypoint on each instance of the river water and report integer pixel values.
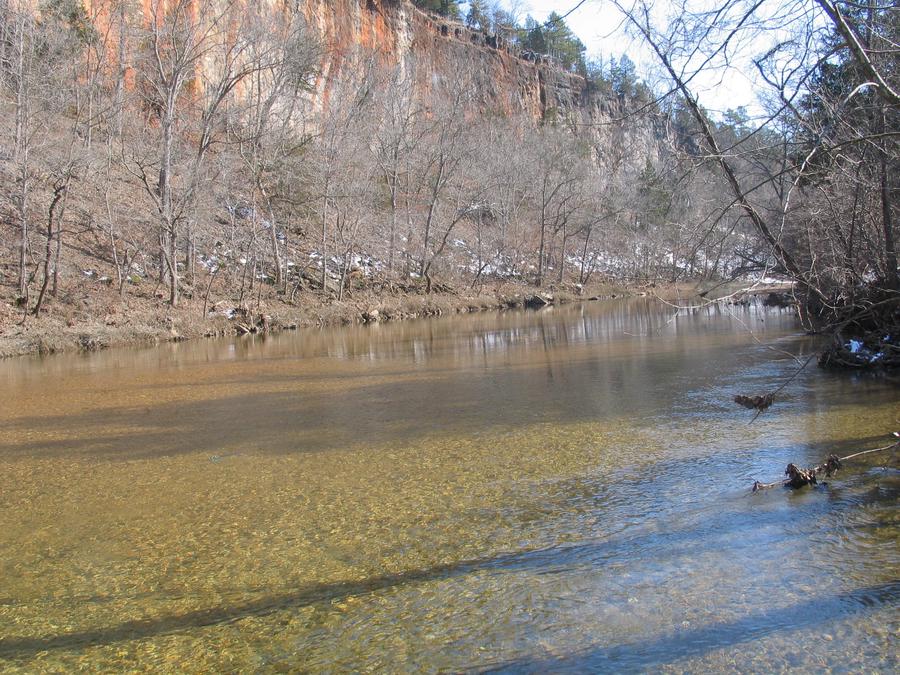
(555, 491)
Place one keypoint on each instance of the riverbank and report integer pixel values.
(101, 318)
(104, 319)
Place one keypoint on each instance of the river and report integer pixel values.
(564, 491)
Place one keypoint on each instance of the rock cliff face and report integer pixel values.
(439, 54)
(443, 56)
(435, 54)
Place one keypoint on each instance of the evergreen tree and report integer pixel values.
(623, 75)
(562, 44)
(448, 8)
(654, 198)
(532, 37)
(477, 16)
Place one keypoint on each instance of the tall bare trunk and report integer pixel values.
(167, 214)
(120, 76)
(21, 152)
(392, 239)
(890, 252)
(58, 194)
(887, 220)
(432, 207)
(540, 270)
(325, 240)
(273, 241)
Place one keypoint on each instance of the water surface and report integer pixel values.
(564, 490)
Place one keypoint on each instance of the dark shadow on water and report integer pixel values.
(639, 656)
(310, 419)
(628, 657)
(456, 379)
(595, 554)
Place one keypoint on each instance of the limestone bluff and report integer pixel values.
(431, 50)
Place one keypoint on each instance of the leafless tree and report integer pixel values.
(558, 193)
(269, 136)
(37, 58)
(399, 128)
(195, 58)
(824, 110)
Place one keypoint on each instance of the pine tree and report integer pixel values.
(478, 15)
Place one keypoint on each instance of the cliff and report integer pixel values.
(439, 54)
(436, 54)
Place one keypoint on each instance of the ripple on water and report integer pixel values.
(558, 497)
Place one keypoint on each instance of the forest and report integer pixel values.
(195, 156)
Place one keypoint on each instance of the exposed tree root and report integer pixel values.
(798, 477)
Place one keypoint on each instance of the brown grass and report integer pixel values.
(92, 316)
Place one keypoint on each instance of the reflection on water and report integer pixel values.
(564, 491)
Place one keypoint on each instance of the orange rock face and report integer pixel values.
(437, 54)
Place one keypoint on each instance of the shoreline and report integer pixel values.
(142, 321)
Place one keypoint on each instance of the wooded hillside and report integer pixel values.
(225, 150)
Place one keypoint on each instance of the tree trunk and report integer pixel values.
(325, 243)
(120, 76)
(540, 270)
(58, 193)
(393, 225)
(21, 155)
(276, 252)
(173, 266)
(562, 255)
(887, 221)
(23, 231)
(584, 249)
(432, 207)
(54, 289)
(165, 197)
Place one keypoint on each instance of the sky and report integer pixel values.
(601, 27)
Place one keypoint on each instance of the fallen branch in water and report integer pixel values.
(762, 402)
(797, 477)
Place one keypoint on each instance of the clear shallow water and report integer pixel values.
(557, 491)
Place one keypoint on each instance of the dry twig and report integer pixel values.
(797, 477)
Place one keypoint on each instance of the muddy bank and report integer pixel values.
(103, 321)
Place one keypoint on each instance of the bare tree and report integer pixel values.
(20, 33)
(37, 61)
(267, 132)
(336, 148)
(395, 140)
(193, 62)
(558, 193)
(835, 108)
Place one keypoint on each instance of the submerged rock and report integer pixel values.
(537, 300)
(371, 316)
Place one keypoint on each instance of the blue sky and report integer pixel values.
(601, 27)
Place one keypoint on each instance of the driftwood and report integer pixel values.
(760, 402)
(259, 325)
(536, 301)
(798, 477)
(878, 349)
